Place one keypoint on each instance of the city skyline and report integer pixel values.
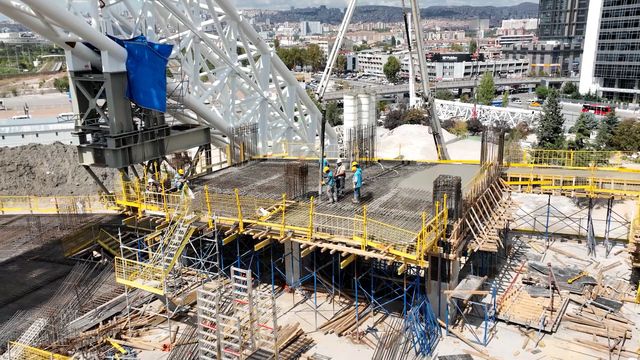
(286, 4)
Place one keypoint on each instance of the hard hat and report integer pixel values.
(150, 181)
(355, 163)
(339, 161)
(180, 171)
(326, 169)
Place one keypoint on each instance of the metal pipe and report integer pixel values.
(78, 26)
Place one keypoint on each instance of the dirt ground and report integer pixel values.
(42, 170)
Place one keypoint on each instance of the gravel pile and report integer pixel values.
(42, 170)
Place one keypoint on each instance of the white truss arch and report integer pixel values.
(222, 74)
(488, 115)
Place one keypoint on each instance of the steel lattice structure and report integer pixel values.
(488, 115)
(222, 74)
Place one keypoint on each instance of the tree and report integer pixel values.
(341, 64)
(394, 119)
(582, 129)
(414, 116)
(569, 88)
(333, 114)
(443, 94)
(456, 47)
(486, 89)
(542, 92)
(626, 136)
(276, 44)
(459, 129)
(314, 57)
(606, 129)
(394, 42)
(550, 130)
(391, 69)
(505, 99)
(381, 107)
(61, 84)
(474, 126)
(473, 47)
(465, 98)
(519, 132)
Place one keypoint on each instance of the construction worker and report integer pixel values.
(341, 177)
(357, 181)
(330, 181)
(152, 185)
(179, 180)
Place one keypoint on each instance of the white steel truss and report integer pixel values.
(222, 74)
(488, 115)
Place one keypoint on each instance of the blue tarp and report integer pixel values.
(146, 72)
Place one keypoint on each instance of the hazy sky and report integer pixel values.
(285, 4)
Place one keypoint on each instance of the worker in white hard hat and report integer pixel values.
(152, 185)
(341, 176)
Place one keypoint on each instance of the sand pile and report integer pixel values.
(41, 170)
(415, 142)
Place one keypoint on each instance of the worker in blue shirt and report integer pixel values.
(330, 181)
(357, 181)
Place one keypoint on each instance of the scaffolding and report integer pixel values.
(236, 320)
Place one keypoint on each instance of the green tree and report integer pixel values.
(381, 107)
(606, 129)
(550, 128)
(542, 92)
(486, 89)
(276, 44)
(314, 57)
(414, 116)
(456, 47)
(61, 84)
(582, 129)
(443, 94)
(626, 136)
(341, 64)
(394, 42)
(391, 69)
(569, 88)
(505, 99)
(333, 114)
(465, 98)
(473, 47)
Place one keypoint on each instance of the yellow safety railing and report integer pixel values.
(82, 204)
(18, 351)
(300, 218)
(517, 157)
(300, 150)
(573, 185)
(145, 276)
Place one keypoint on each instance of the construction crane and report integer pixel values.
(428, 99)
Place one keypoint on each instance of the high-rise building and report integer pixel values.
(611, 60)
(562, 20)
(310, 28)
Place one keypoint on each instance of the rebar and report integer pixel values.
(295, 178)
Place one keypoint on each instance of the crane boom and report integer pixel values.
(333, 56)
(436, 129)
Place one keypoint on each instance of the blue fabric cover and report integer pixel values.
(146, 72)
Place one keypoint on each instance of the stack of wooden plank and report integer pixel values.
(613, 328)
(292, 341)
(346, 322)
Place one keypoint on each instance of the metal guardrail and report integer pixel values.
(573, 185)
(569, 158)
(145, 276)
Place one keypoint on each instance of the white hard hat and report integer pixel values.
(151, 181)
(339, 161)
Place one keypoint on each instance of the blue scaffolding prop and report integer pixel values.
(421, 325)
